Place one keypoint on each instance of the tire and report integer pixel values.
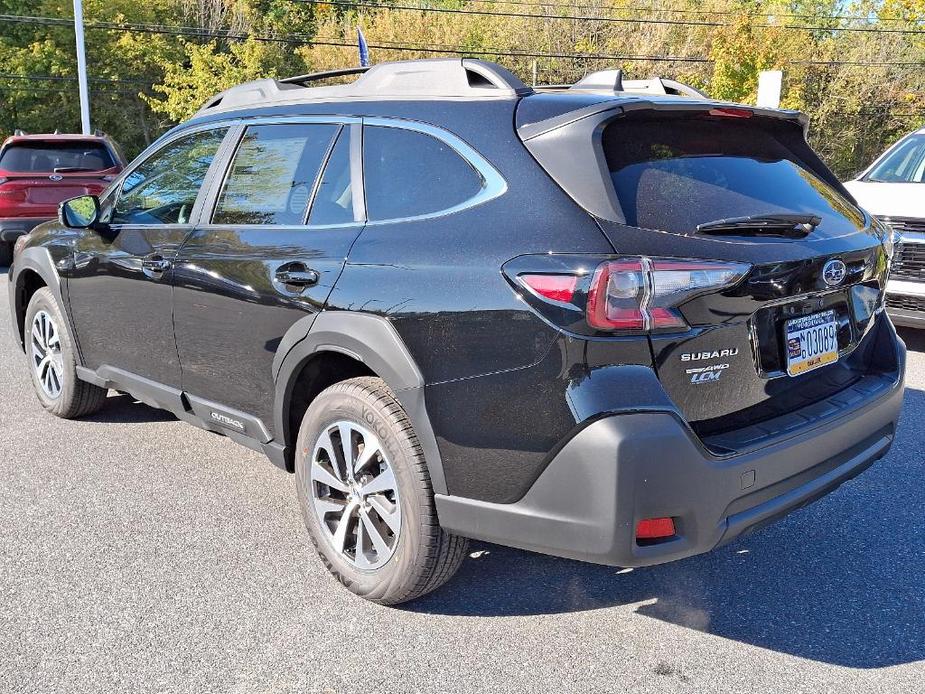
(6, 253)
(61, 392)
(416, 559)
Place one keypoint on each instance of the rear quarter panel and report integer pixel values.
(496, 374)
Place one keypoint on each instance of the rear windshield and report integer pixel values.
(25, 157)
(905, 164)
(675, 171)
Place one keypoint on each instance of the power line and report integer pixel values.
(446, 50)
(586, 18)
(63, 89)
(672, 10)
(467, 11)
(323, 41)
(67, 78)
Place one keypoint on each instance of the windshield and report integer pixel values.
(27, 157)
(673, 172)
(905, 164)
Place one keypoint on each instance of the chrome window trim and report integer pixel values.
(493, 186)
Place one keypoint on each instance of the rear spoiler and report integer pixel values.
(613, 108)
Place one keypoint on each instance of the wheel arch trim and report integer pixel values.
(373, 341)
(38, 260)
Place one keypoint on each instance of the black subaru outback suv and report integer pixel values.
(619, 326)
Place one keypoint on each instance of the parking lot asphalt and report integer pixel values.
(138, 553)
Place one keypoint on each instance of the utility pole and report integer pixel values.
(82, 67)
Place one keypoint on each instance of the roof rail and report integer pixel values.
(612, 80)
(327, 74)
(436, 78)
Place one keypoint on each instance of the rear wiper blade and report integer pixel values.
(791, 225)
(71, 169)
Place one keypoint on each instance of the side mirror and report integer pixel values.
(82, 212)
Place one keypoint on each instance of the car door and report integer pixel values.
(120, 281)
(281, 224)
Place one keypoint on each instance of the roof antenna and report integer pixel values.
(618, 80)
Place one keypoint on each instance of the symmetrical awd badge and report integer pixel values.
(711, 373)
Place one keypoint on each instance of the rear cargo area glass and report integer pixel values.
(673, 171)
(46, 157)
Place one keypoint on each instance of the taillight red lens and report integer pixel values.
(8, 195)
(552, 287)
(642, 294)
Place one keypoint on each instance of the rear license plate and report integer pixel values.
(812, 342)
(52, 195)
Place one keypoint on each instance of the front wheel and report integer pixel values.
(52, 361)
(366, 495)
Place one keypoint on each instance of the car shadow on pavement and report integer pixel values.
(121, 408)
(914, 339)
(841, 581)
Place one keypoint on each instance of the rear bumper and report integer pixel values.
(627, 467)
(14, 227)
(906, 303)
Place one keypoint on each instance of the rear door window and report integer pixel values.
(674, 172)
(55, 157)
(333, 202)
(273, 174)
(410, 174)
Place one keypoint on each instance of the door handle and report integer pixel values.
(155, 263)
(298, 275)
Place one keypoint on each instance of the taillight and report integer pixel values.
(553, 287)
(13, 195)
(592, 294)
(642, 294)
(619, 291)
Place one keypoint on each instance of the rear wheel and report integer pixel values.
(366, 496)
(52, 362)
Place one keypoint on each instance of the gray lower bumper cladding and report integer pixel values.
(628, 467)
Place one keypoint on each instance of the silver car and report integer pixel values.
(893, 189)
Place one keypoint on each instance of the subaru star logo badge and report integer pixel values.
(833, 272)
(56, 177)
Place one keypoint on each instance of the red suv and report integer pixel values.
(39, 171)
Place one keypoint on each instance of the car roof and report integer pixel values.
(434, 88)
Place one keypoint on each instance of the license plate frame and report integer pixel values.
(811, 342)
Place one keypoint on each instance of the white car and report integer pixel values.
(893, 189)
